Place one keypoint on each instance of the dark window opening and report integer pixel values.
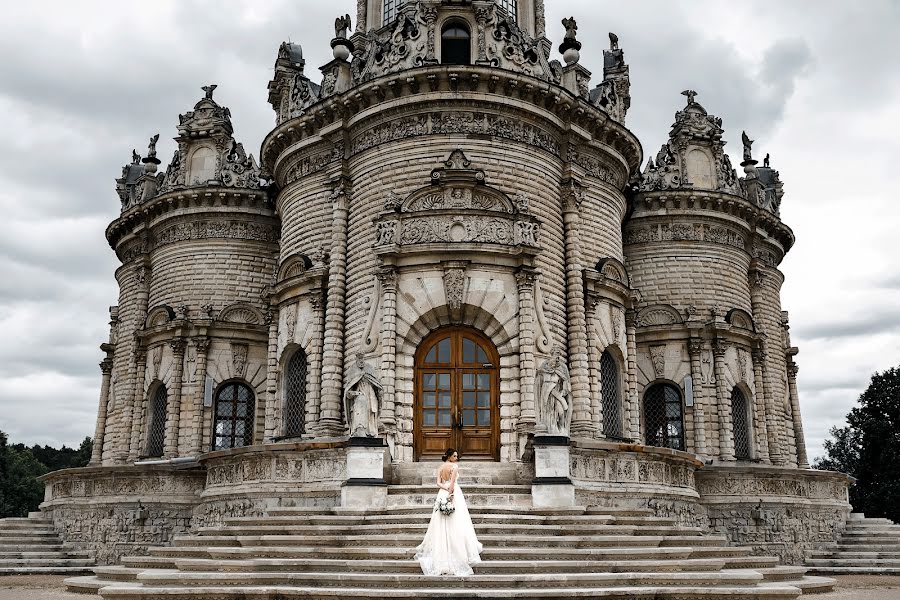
(456, 45)
(663, 420)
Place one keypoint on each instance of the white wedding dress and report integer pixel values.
(450, 546)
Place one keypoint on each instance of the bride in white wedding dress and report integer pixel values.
(450, 546)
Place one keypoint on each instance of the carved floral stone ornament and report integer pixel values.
(457, 207)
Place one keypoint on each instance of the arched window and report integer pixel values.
(611, 393)
(456, 45)
(234, 416)
(295, 395)
(203, 166)
(740, 424)
(663, 422)
(510, 6)
(156, 437)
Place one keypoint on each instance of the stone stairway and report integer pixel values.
(31, 546)
(867, 546)
(529, 553)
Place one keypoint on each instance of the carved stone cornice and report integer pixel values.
(498, 85)
(106, 366)
(141, 218)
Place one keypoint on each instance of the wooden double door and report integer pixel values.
(457, 395)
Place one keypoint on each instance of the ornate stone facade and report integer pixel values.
(635, 312)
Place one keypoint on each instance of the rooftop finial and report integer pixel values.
(208, 90)
(766, 161)
(613, 41)
(690, 96)
(342, 26)
(135, 157)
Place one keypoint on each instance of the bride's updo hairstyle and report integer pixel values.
(447, 454)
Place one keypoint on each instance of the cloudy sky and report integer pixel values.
(815, 84)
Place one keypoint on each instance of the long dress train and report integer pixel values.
(450, 546)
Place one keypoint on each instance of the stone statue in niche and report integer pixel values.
(555, 403)
(361, 399)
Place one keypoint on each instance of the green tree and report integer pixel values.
(868, 448)
(20, 491)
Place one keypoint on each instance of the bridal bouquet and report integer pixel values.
(445, 505)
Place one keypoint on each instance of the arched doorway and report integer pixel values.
(457, 391)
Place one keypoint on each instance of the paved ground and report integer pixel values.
(850, 587)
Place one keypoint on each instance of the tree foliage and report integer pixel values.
(868, 448)
(20, 466)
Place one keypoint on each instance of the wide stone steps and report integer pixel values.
(529, 553)
(30, 546)
(867, 546)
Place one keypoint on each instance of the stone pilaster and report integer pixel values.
(97, 449)
(723, 401)
(202, 345)
(173, 417)
(632, 426)
(330, 421)
(525, 278)
(772, 416)
(799, 438)
(139, 401)
(760, 411)
(314, 365)
(388, 278)
(274, 423)
(135, 374)
(596, 385)
(573, 196)
(695, 348)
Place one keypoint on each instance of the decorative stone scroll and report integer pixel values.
(658, 314)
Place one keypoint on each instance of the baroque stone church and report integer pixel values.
(450, 239)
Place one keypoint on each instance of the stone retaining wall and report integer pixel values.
(778, 512)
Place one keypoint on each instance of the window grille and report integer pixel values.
(510, 6)
(295, 395)
(157, 434)
(234, 416)
(740, 424)
(663, 423)
(611, 394)
(391, 9)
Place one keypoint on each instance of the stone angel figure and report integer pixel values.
(151, 148)
(342, 27)
(362, 395)
(571, 28)
(745, 139)
(555, 405)
(613, 41)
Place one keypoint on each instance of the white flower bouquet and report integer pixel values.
(445, 506)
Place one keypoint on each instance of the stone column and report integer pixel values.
(173, 418)
(695, 348)
(273, 425)
(632, 410)
(330, 421)
(97, 448)
(525, 278)
(596, 384)
(759, 408)
(723, 401)
(388, 278)
(135, 374)
(792, 370)
(314, 365)
(573, 196)
(759, 358)
(362, 14)
(139, 400)
(202, 345)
